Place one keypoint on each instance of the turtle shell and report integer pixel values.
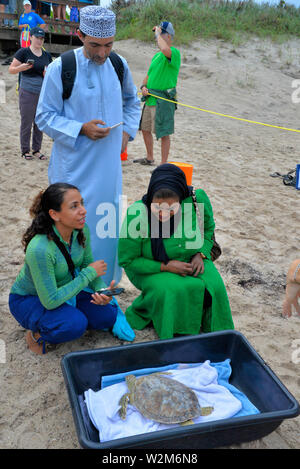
(165, 400)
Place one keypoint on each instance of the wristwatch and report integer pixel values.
(202, 255)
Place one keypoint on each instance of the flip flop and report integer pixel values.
(41, 156)
(144, 161)
(27, 156)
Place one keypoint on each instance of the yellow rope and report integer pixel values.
(225, 115)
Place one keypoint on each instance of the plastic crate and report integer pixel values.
(250, 374)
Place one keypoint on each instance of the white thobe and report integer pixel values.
(93, 166)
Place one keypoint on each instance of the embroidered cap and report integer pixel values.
(167, 27)
(96, 21)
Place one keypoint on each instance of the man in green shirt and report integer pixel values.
(161, 80)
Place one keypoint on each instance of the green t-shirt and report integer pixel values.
(163, 73)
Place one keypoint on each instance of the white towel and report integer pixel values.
(103, 405)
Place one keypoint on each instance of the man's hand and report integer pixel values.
(92, 131)
(125, 139)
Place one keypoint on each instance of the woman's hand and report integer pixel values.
(177, 267)
(100, 267)
(197, 264)
(100, 299)
(24, 67)
(16, 67)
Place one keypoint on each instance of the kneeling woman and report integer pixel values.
(165, 256)
(55, 304)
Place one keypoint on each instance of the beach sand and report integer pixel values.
(257, 222)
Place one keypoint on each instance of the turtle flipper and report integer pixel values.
(206, 410)
(123, 403)
(188, 422)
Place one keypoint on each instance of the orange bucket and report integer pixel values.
(187, 169)
(124, 155)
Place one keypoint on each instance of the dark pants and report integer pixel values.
(28, 103)
(64, 323)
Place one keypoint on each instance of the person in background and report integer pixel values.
(30, 63)
(86, 150)
(161, 80)
(292, 291)
(10, 8)
(3, 5)
(29, 19)
(54, 305)
(168, 258)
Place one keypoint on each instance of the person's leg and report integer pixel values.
(165, 148)
(37, 135)
(98, 317)
(2, 10)
(27, 117)
(55, 326)
(148, 140)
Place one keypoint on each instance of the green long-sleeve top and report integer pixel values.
(45, 271)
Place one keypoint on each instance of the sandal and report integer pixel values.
(36, 344)
(41, 156)
(27, 156)
(144, 161)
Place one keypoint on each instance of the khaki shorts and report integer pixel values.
(148, 119)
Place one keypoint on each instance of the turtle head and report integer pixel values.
(130, 381)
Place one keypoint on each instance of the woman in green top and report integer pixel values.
(57, 303)
(166, 256)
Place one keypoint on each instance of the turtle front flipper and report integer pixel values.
(206, 410)
(123, 402)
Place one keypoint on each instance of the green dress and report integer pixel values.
(174, 304)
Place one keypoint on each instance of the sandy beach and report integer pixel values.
(257, 222)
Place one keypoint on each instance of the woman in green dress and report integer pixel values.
(166, 253)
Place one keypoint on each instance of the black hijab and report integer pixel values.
(165, 176)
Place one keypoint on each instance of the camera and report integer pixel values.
(30, 61)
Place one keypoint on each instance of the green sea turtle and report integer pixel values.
(162, 399)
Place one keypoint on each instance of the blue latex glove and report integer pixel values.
(121, 328)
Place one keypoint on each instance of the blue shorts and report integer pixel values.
(64, 323)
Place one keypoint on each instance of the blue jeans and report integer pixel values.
(64, 323)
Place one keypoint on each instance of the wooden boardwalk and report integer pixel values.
(60, 35)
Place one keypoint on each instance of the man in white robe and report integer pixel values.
(86, 151)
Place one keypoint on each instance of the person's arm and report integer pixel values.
(49, 114)
(144, 87)
(162, 44)
(16, 67)
(131, 106)
(209, 223)
(41, 261)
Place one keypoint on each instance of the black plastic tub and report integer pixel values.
(250, 374)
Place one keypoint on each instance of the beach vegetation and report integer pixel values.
(234, 21)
